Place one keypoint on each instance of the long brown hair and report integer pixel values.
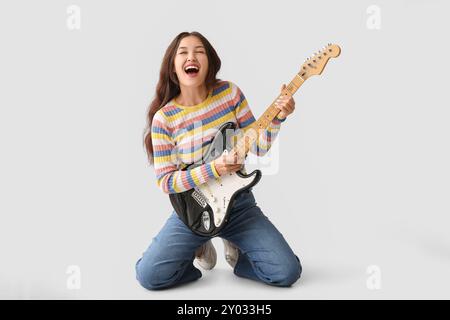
(168, 86)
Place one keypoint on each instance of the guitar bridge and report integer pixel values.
(199, 197)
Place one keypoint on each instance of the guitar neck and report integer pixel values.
(312, 66)
(252, 132)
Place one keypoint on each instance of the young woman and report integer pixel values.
(189, 95)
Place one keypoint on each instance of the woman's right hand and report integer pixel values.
(228, 163)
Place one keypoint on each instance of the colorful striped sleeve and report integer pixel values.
(170, 179)
(245, 118)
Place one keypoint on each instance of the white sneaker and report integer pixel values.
(231, 253)
(206, 255)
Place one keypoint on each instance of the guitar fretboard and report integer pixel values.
(251, 133)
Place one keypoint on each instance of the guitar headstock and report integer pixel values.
(315, 64)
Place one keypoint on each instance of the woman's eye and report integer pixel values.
(184, 52)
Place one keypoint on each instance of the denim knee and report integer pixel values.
(292, 273)
(158, 276)
(147, 278)
(288, 274)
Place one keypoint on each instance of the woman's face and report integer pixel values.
(191, 52)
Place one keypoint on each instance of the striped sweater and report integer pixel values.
(181, 135)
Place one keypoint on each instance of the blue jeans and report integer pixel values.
(264, 254)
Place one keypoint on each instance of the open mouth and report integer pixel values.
(191, 70)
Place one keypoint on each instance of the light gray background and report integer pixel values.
(363, 177)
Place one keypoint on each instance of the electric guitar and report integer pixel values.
(205, 209)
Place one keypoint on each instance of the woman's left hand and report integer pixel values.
(286, 104)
